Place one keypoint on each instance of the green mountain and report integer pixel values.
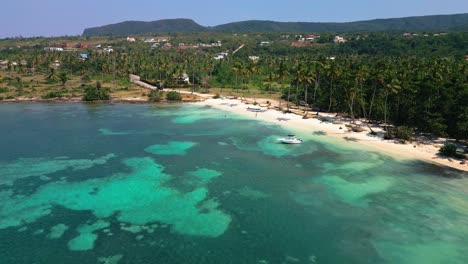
(422, 23)
(140, 27)
(458, 22)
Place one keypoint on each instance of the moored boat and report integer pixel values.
(290, 139)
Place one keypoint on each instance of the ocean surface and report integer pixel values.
(122, 183)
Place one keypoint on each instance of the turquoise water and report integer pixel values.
(122, 183)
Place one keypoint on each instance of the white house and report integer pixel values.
(56, 64)
(220, 56)
(254, 58)
(311, 37)
(129, 39)
(150, 40)
(217, 44)
(53, 49)
(339, 39)
(264, 43)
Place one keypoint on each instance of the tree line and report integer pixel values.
(424, 93)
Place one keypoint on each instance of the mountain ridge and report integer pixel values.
(455, 22)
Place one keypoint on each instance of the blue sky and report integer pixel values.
(61, 17)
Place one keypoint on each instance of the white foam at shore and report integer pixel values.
(305, 127)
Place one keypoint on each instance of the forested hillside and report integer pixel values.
(458, 22)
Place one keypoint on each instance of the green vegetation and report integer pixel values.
(450, 150)
(173, 96)
(155, 96)
(140, 27)
(406, 24)
(96, 93)
(50, 95)
(415, 83)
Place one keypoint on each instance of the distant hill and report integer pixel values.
(140, 27)
(458, 22)
(422, 23)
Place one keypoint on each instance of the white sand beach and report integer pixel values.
(426, 151)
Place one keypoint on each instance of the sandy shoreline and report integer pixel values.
(415, 150)
(427, 151)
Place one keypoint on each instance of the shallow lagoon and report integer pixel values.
(189, 184)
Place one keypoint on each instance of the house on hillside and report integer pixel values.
(339, 39)
(217, 44)
(167, 46)
(254, 58)
(83, 57)
(265, 43)
(220, 56)
(66, 45)
(161, 39)
(81, 46)
(56, 64)
(129, 39)
(53, 49)
(311, 37)
(150, 40)
(299, 44)
(4, 64)
(466, 57)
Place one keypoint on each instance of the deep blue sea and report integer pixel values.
(123, 183)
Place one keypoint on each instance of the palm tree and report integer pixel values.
(283, 73)
(63, 76)
(391, 88)
(333, 72)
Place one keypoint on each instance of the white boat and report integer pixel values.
(290, 139)
(256, 108)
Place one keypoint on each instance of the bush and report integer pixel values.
(50, 95)
(173, 96)
(403, 133)
(95, 93)
(450, 150)
(155, 96)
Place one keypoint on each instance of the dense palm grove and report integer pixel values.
(411, 87)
